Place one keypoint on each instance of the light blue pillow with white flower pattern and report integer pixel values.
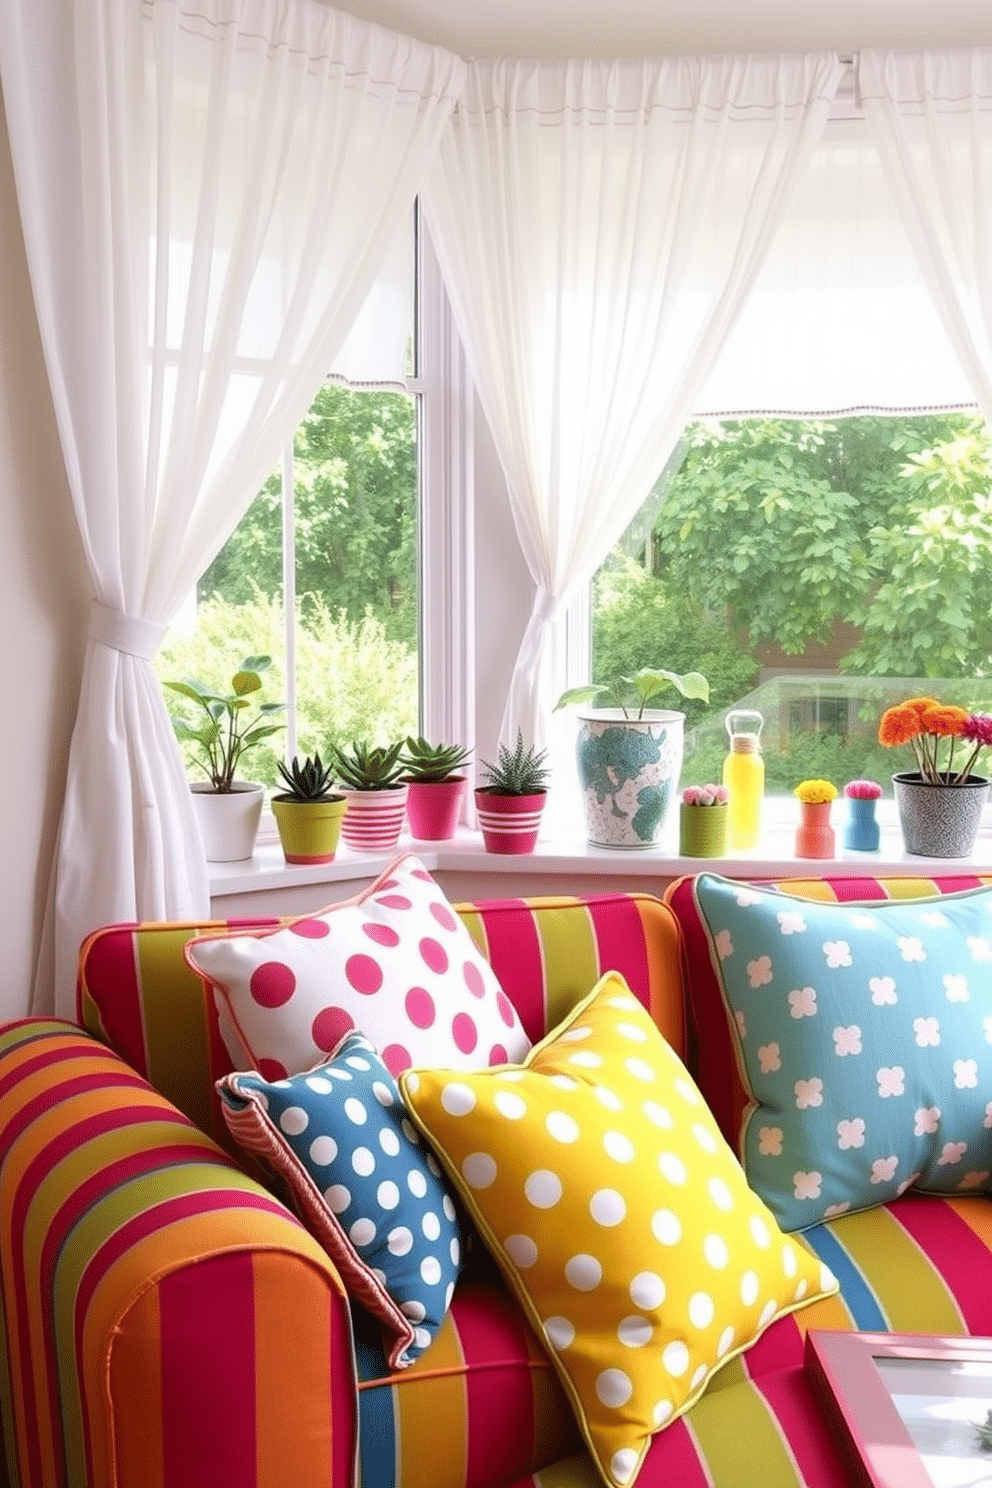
(363, 1181)
(864, 1037)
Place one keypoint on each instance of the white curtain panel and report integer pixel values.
(206, 187)
(840, 319)
(931, 117)
(598, 226)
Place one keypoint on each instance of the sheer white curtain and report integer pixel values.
(931, 117)
(598, 225)
(205, 188)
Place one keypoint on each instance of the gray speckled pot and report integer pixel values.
(939, 821)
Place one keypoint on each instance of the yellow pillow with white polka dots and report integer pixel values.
(619, 1216)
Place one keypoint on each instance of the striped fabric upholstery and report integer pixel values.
(146, 1342)
(921, 1265)
(485, 1376)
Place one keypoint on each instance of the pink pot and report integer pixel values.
(433, 808)
(373, 819)
(509, 824)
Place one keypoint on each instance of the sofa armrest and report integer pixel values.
(165, 1318)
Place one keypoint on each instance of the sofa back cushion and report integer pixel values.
(713, 1055)
(137, 993)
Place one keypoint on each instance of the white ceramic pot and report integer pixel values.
(629, 772)
(228, 821)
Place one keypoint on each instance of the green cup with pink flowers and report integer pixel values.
(703, 821)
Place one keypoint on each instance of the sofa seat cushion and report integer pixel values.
(480, 1408)
(918, 1265)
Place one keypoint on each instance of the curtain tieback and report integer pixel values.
(127, 633)
(546, 605)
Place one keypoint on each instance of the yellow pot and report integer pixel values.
(309, 830)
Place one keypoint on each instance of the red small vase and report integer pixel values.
(814, 835)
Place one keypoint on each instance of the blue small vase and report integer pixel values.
(861, 833)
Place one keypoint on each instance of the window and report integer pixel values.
(817, 570)
(322, 574)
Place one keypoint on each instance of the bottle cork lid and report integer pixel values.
(744, 744)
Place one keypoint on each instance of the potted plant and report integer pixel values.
(703, 821)
(434, 787)
(227, 726)
(375, 794)
(511, 798)
(308, 812)
(629, 754)
(814, 835)
(940, 802)
(861, 830)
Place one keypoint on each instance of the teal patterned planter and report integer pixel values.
(629, 772)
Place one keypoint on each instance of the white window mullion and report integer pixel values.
(447, 590)
(289, 593)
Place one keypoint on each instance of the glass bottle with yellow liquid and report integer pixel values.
(744, 777)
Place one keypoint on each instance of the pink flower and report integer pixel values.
(863, 790)
(705, 795)
(978, 728)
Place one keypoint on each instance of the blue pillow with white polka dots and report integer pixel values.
(363, 1182)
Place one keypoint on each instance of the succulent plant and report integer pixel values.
(517, 772)
(310, 781)
(367, 768)
(432, 762)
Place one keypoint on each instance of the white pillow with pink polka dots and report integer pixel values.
(396, 963)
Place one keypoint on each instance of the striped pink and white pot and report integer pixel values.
(373, 820)
(509, 824)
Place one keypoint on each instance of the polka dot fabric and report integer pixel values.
(396, 964)
(864, 1031)
(362, 1181)
(619, 1216)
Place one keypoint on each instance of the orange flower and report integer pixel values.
(920, 705)
(945, 720)
(899, 724)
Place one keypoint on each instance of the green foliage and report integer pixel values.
(432, 762)
(352, 681)
(636, 618)
(225, 729)
(639, 691)
(355, 510)
(366, 767)
(789, 524)
(310, 781)
(928, 614)
(517, 772)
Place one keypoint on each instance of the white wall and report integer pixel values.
(44, 596)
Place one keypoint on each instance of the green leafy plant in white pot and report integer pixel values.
(436, 787)
(308, 812)
(629, 754)
(511, 798)
(225, 727)
(371, 777)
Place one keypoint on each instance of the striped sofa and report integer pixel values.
(168, 1323)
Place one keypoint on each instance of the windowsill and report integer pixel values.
(573, 858)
